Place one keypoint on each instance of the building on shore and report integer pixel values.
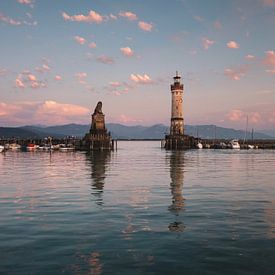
(177, 139)
(98, 138)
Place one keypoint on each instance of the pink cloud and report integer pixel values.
(47, 112)
(269, 3)
(3, 71)
(129, 15)
(269, 58)
(128, 120)
(250, 57)
(207, 43)
(236, 73)
(32, 78)
(43, 69)
(115, 84)
(26, 2)
(127, 51)
(80, 40)
(232, 45)
(141, 79)
(81, 77)
(270, 71)
(58, 77)
(105, 59)
(92, 17)
(9, 20)
(235, 115)
(92, 45)
(145, 26)
(19, 83)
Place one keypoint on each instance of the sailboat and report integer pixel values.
(248, 146)
(199, 144)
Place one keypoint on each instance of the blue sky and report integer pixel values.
(58, 58)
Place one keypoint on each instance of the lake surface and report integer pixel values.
(139, 210)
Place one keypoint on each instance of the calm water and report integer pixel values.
(138, 210)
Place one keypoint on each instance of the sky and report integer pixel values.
(59, 58)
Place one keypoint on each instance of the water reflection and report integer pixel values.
(176, 185)
(99, 161)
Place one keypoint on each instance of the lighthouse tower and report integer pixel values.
(177, 121)
(177, 140)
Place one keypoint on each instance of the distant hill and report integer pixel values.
(10, 132)
(120, 131)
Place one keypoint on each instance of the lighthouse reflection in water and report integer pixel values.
(176, 186)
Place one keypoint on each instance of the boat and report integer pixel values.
(199, 145)
(14, 146)
(2, 148)
(234, 144)
(32, 147)
(66, 148)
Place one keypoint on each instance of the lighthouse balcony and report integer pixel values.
(176, 86)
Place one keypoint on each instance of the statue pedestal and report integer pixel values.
(98, 138)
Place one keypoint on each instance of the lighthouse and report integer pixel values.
(177, 121)
(177, 140)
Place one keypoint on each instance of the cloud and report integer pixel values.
(80, 40)
(47, 112)
(236, 73)
(92, 45)
(232, 45)
(250, 57)
(270, 71)
(19, 83)
(112, 16)
(26, 2)
(92, 17)
(129, 15)
(43, 69)
(27, 79)
(236, 115)
(115, 84)
(268, 3)
(105, 59)
(145, 26)
(269, 58)
(58, 77)
(207, 43)
(127, 51)
(9, 20)
(3, 71)
(32, 78)
(139, 79)
(81, 77)
(127, 119)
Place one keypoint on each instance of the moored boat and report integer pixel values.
(2, 148)
(234, 144)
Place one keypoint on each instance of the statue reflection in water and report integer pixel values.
(99, 161)
(176, 185)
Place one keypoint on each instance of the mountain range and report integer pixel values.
(120, 131)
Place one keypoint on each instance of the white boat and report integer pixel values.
(66, 148)
(199, 145)
(234, 144)
(249, 146)
(14, 146)
(2, 148)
